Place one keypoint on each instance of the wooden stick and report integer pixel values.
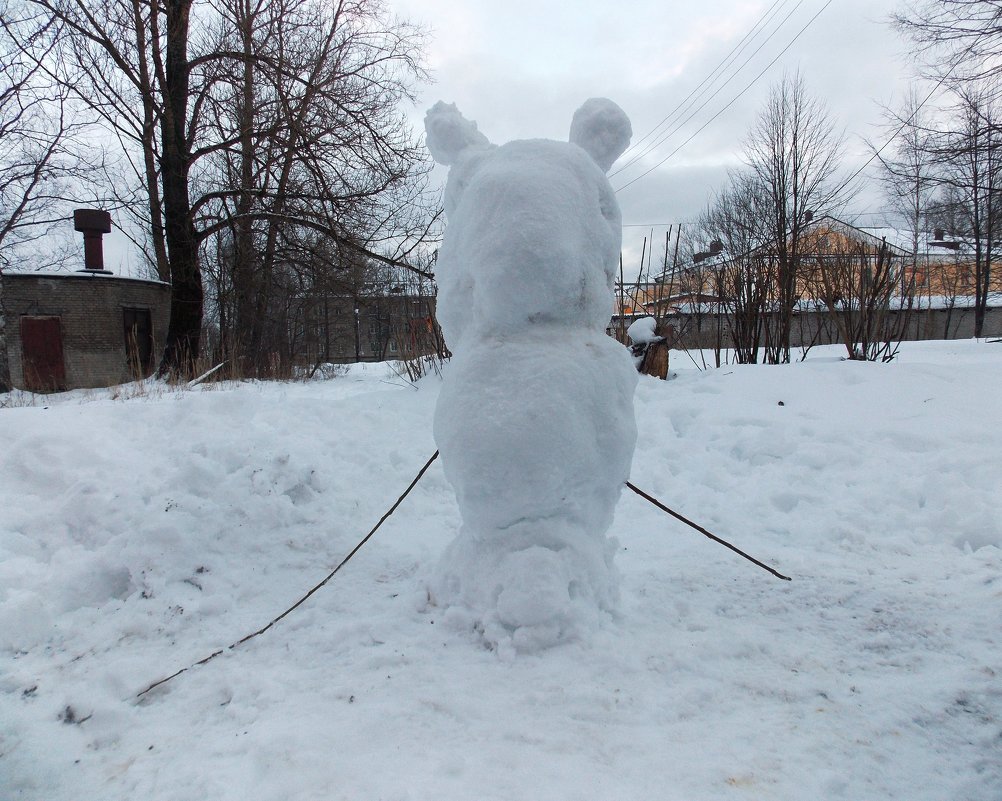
(302, 600)
(704, 532)
(196, 381)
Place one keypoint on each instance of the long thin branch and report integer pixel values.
(704, 532)
(309, 594)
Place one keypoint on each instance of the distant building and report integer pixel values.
(938, 282)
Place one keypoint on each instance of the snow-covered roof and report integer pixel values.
(903, 239)
(79, 274)
(920, 301)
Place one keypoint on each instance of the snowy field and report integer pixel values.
(142, 530)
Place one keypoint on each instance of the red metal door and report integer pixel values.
(42, 354)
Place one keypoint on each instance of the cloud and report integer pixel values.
(520, 69)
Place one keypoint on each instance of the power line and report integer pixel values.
(723, 64)
(680, 125)
(732, 101)
(901, 127)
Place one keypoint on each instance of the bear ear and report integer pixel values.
(601, 129)
(450, 134)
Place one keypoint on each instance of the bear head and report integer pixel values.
(534, 230)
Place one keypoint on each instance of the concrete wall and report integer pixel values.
(90, 308)
(816, 328)
(386, 327)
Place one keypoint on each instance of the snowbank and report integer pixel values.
(137, 536)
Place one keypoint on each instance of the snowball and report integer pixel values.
(601, 129)
(450, 134)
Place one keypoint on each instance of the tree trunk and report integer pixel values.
(142, 38)
(655, 361)
(182, 248)
(246, 279)
(5, 385)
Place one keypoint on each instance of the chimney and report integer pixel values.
(94, 224)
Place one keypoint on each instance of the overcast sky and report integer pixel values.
(520, 69)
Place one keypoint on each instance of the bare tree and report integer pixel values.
(858, 285)
(313, 140)
(745, 281)
(969, 156)
(237, 117)
(794, 152)
(909, 172)
(39, 163)
(131, 66)
(959, 39)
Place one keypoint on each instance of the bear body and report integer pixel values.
(535, 419)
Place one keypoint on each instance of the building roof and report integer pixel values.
(899, 242)
(927, 243)
(86, 275)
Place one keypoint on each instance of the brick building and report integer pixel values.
(86, 329)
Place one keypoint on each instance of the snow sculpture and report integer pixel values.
(535, 419)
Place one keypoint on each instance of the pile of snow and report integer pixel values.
(142, 534)
(535, 422)
(641, 335)
(641, 331)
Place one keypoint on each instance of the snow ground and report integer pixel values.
(140, 534)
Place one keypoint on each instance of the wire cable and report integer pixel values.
(680, 125)
(732, 101)
(720, 66)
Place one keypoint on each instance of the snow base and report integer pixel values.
(523, 596)
(538, 457)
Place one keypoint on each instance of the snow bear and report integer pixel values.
(535, 420)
